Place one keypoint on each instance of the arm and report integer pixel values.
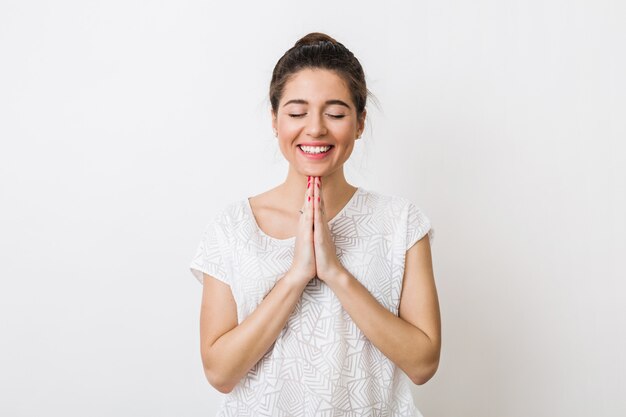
(229, 350)
(411, 340)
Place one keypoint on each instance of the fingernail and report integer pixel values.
(309, 198)
(318, 199)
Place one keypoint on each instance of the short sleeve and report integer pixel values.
(417, 226)
(209, 257)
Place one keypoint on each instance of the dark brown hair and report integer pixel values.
(318, 50)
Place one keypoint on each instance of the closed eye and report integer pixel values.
(334, 116)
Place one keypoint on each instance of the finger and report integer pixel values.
(304, 203)
(307, 215)
(316, 201)
(321, 201)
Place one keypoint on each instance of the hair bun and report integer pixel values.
(315, 38)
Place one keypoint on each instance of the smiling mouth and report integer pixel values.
(315, 150)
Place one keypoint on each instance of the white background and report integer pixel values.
(125, 125)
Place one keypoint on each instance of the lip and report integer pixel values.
(315, 156)
(314, 144)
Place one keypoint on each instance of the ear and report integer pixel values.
(274, 121)
(361, 124)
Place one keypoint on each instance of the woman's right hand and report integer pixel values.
(303, 266)
(230, 349)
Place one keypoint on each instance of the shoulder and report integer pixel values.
(231, 210)
(388, 204)
(400, 213)
(225, 217)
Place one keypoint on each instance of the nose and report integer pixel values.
(315, 126)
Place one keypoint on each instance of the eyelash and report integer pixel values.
(334, 116)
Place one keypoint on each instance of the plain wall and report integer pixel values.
(124, 125)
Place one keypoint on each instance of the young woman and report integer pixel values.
(318, 296)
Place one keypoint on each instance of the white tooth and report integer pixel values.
(315, 149)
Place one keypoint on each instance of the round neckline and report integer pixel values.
(292, 238)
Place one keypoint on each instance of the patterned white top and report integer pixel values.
(321, 364)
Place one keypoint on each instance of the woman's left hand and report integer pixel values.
(327, 265)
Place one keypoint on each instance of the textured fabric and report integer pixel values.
(321, 364)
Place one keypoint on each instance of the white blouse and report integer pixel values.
(321, 364)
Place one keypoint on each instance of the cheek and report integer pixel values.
(288, 128)
(347, 131)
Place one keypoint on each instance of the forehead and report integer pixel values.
(314, 84)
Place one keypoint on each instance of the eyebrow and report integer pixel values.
(328, 102)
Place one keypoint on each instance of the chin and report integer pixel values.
(321, 170)
(313, 172)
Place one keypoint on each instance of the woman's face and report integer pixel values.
(316, 122)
